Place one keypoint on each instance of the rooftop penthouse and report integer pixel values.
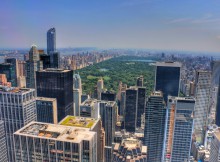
(14, 89)
(77, 121)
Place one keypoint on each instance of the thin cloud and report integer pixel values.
(208, 18)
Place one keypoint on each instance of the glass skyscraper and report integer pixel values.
(168, 78)
(179, 128)
(3, 148)
(51, 40)
(155, 117)
(57, 83)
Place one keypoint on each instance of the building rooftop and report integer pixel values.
(89, 102)
(169, 64)
(14, 89)
(56, 132)
(54, 70)
(77, 121)
(45, 99)
(157, 93)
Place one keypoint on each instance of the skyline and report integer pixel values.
(146, 24)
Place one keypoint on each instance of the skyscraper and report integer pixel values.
(140, 81)
(77, 82)
(76, 101)
(131, 105)
(32, 65)
(51, 48)
(18, 108)
(57, 83)
(9, 71)
(46, 110)
(215, 148)
(217, 113)
(141, 104)
(168, 78)
(108, 112)
(100, 86)
(155, 117)
(14, 63)
(179, 129)
(215, 67)
(3, 148)
(51, 40)
(52, 142)
(202, 95)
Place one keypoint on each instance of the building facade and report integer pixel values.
(51, 40)
(131, 105)
(3, 148)
(18, 108)
(215, 148)
(57, 83)
(155, 120)
(46, 110)
(51, 142)
(32, 65)
(9, 71)
(202, 95)
(179, 128)
(168, 78)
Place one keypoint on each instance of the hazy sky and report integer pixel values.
(155, 24)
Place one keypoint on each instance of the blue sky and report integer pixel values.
(156, 24)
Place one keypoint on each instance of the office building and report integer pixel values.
(76, 101)
(46, 110)
(32, 65)
(141, 104)
(108, 96)
(215, 67)
(45, 60)
(57, 83)
(3, 148)
(100, 86)
(122, 103)
(19, 101)
(217, 113)
(4, 81)
(131, 106)
(51, 40)
(202, 95)
(77, 82)
(108, 112)
(155, 119)
(90, 108)
(9, 71)
(129, 150)
(21, 68)
(90, 124)
(179, 128)
(168, 78)
(215, 148)
(14, 63)
(54, 59)
(140, 81)
(51, 142)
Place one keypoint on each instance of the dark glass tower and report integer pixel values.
(131, 105)
(217, 113)
(141, 104)
(57, 83)
(51, 40)
(155, 117)
(9, 71)
(14, 63)
(108, 96)
(168, 78)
